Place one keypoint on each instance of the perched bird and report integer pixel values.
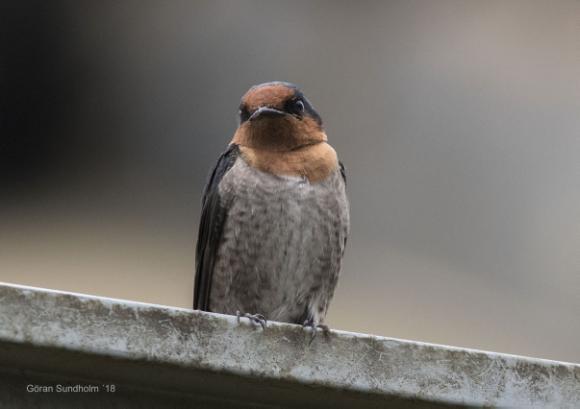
(275, 215)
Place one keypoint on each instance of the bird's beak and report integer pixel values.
(264, 112)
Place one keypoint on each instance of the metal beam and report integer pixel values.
(143, 355)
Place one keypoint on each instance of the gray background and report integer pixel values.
(458, 123)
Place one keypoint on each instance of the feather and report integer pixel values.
(213, 216)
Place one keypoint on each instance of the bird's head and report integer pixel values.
(277, 116)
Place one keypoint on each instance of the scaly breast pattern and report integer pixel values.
(282, 244)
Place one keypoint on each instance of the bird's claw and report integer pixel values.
(314, 326)
(256, 319)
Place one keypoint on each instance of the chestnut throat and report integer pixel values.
(287, 147)
(315, 161)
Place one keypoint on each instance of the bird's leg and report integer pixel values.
(256, 319)
(325, 329)
(311, 322)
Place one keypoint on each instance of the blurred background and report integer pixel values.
(458, 122)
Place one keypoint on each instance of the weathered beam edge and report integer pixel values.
(344, 361)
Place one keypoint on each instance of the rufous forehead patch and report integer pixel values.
(271, 95)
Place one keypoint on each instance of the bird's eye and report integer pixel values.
(244, 114)
(298, 107)
(295, 106)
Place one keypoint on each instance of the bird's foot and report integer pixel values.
(315, 326)
(255, 319)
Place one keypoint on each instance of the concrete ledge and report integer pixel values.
(169, 357)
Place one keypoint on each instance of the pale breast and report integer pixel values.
(282, 243)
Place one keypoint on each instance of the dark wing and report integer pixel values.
(343, 174)
(342, 171)
(211, 224)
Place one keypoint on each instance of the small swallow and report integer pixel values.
(275, 215)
